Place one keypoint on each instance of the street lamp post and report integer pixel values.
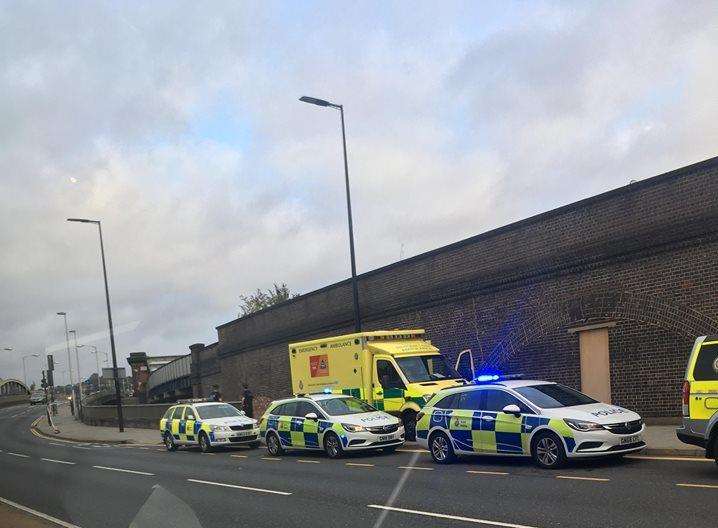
(67, 346)
(24, 367)
(77, 361)
(355, 288)
(97, 362)
(118, 394)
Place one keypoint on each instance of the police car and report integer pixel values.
(208, 425)
(546, 421)
(334, 423)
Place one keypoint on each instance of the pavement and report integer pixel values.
(74, 430)
(660, 439)
(104, 485)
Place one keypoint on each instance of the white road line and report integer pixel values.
(81, 447)
(675, 459)
(307, 461)
(235, 486)
(18, 455)
(271, 458)
(39, 514)
(475, 472)
(594, 479)
(238, 456)
(708, 486)
(416, 467)
(125, 470)
(202, 453)
(358, 464)
(56, 444)
(451, 517)
(413, 451)
(57, 461)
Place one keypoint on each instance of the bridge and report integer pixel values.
(12, 391)
(170, 381)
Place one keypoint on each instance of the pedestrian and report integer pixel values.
(215, 395)
(248, 401)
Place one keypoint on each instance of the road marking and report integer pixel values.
(261, 490)
(416, 467)
(81, 447)
(18, 455)
(358, 464)
(57, 461)
(474, 472)
(56, 444)
(271, 458)
(212, 454)
(238, 456)
(594, 479)
(451, 517)
(675, 459)
(307, 461)
(38, 514)
(413, 451)
(147, 448)
(125, 470)
(709, 486)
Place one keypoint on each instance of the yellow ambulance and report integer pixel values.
(396, 371)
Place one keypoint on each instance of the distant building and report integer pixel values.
(107, 381)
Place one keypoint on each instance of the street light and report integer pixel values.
(24, 366)
(67, 345)
(97, 362)
(118, 395)
(355, 289)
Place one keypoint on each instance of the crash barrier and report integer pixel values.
(16, 399)
(145, 416)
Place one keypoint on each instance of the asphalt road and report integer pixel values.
(113, 486)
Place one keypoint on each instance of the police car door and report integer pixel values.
(174, 423)
(464, 422)
(309, 427)
(296, 424)
(501, 432)
(284, 423)
(189, 421)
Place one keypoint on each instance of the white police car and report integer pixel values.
(334, 423)
(541, 419)
(208, 425)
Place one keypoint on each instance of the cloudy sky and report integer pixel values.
(178, 125)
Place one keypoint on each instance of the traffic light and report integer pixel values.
(50, 380)
(50, 363)
(43, 383)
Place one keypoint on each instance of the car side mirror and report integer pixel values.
(512, 409)
(190, 416)
(311, 416)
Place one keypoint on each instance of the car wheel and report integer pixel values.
(548, 452)
(253, 445)
(333, 446)
(204, 443)
(441, 449)
(170, 442)
(409, 419)
(274, 446)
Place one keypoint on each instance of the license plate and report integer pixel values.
(384, 438)
(242, 433)
(634, 439)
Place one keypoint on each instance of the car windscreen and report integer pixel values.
(553, 396)
(418, 369)
(224, 410)
(340, 406)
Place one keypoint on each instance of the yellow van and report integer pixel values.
(396, 371)
(700, 397)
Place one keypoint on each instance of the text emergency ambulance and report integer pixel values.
(396, 371)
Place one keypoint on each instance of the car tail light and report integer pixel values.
(686, 392)
(419, 416)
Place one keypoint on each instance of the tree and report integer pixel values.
(260, 300)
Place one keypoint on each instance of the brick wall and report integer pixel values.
(641, 256)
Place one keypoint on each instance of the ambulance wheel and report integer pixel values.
(204, 443)
(170, 443)
(547, 451)
(409, 419)
(441, 449)
(274, 446)
(253, 445)
(333, 446)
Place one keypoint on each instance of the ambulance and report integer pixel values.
(396, 371)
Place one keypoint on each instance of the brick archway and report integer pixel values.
(592, 307)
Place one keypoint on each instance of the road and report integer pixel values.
(111, 486)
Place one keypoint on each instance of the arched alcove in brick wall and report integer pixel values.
(597, 307)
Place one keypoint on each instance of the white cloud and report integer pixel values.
(458, 121)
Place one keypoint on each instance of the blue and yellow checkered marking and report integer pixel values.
(490, 432)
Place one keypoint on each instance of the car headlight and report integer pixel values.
(220, 428)
(580, 425)
(353, 428)
(427, 397)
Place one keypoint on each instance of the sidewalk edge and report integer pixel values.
(40, 434)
